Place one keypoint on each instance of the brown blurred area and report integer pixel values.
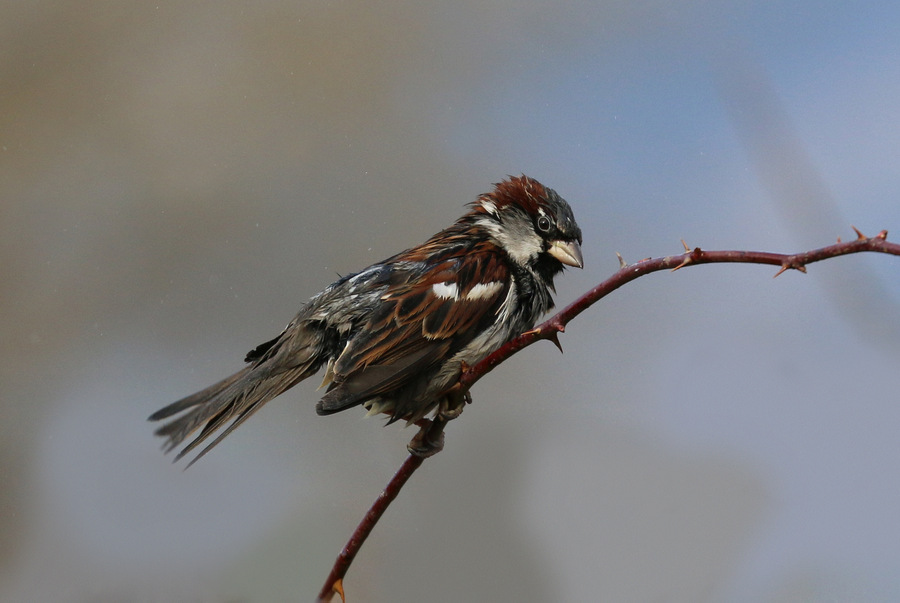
(154, 157)
(177, 178)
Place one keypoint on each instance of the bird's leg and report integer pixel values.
(453, 403)
(454, 399)
(430, 438)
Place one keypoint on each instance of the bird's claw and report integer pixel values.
(423, 444)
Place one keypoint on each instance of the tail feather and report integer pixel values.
(194, 400)
(241, 417)
(233, 400)
(274, 367)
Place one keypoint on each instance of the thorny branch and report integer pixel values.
(556, 324)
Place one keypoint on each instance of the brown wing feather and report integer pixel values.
(418, 326)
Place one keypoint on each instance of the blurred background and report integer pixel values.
(178, 178)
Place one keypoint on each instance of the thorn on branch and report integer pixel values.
(554, 337)
(622, 262)
(790, 266)
(553, 329)
(859, 236)
(338, 587)
(688, 256)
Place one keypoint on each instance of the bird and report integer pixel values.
(396, 336)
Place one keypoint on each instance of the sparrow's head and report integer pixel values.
(532, 223)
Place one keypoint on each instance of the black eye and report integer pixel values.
(543, 224)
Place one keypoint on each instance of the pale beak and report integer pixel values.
(567, 252)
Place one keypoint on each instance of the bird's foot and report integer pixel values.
(430, 438)
(453, 403)
(425, 443)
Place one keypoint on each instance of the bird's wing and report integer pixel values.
(423, 317)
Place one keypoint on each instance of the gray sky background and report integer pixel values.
(178, 178)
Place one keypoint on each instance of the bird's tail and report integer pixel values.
(232, 399)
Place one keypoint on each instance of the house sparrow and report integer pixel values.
(396, 336)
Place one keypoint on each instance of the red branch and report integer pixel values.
(334, 583)
(556, 324)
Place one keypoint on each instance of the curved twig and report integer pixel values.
(556, 324)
